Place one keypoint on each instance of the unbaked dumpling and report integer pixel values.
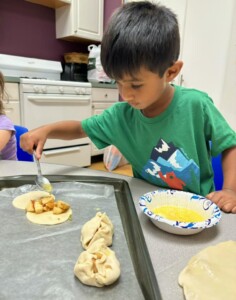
(98, 265)
(211, 274)
(98, 227)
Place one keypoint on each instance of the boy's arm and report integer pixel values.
(226, 199)
(229, 169)
(36, 138)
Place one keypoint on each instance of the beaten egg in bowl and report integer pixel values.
(179, 212)
(176, 213)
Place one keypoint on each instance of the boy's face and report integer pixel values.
(146, 91)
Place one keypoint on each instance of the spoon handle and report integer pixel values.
(38, 165)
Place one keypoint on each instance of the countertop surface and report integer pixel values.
(169, 253)
(104, 85)
(94, 85)
(11, 79)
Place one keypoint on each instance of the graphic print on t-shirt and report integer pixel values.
(169, 167)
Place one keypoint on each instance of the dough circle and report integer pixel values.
(22, 200)
(45, 218)
(48, 218)
(211, 273)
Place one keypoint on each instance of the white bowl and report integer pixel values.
(199, 204)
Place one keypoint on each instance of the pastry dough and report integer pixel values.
(98, 265)
(211, 274)
(98, 227)
(22, 200)
(48, 217)
(44, 218)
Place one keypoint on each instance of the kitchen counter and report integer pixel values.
(104, 85)
(94, 85)
(12, 79)
(169, 253)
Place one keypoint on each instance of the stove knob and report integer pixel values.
(61, 90)
(44, 89)
(36, 89)
(83, 91)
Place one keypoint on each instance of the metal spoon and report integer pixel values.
(41, 181)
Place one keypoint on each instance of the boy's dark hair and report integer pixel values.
(140, 34)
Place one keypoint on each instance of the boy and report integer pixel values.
(163, 130)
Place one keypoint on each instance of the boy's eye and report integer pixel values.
(136, 86)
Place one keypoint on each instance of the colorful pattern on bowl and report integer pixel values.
(184, 199)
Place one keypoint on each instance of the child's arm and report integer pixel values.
(36, 138)
(226, 198)
(5, 136)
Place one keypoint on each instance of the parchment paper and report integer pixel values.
(37, 261)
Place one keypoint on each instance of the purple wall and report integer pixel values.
(28, 29)
(109, 7)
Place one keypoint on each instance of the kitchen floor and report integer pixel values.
(97, 164)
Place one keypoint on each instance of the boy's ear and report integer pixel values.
(174, 70)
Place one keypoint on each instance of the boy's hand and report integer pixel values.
(33, 140)
(225, 199)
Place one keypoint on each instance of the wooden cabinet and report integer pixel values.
(102, 98)
(83, 19)
(12, 103)
(51, 3)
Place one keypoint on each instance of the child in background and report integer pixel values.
(7, 131)
(167, 132)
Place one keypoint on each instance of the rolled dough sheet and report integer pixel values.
(211, 274)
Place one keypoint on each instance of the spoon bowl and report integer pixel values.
(41, 181)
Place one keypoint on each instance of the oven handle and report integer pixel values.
(53, 99)
(61, 150)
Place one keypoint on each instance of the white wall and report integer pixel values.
(228, 99)
(206, 42)
(208, 49)
(208, 33)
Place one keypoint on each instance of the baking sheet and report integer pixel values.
(37, 261)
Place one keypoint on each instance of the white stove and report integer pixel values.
(45, 86)
(19, 66)
(36, 71)
(44, 99)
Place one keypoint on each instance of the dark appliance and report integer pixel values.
(74, 72)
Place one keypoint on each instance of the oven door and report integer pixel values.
(41, 109)
(79, 156)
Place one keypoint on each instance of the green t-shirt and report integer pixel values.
(171, 150)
